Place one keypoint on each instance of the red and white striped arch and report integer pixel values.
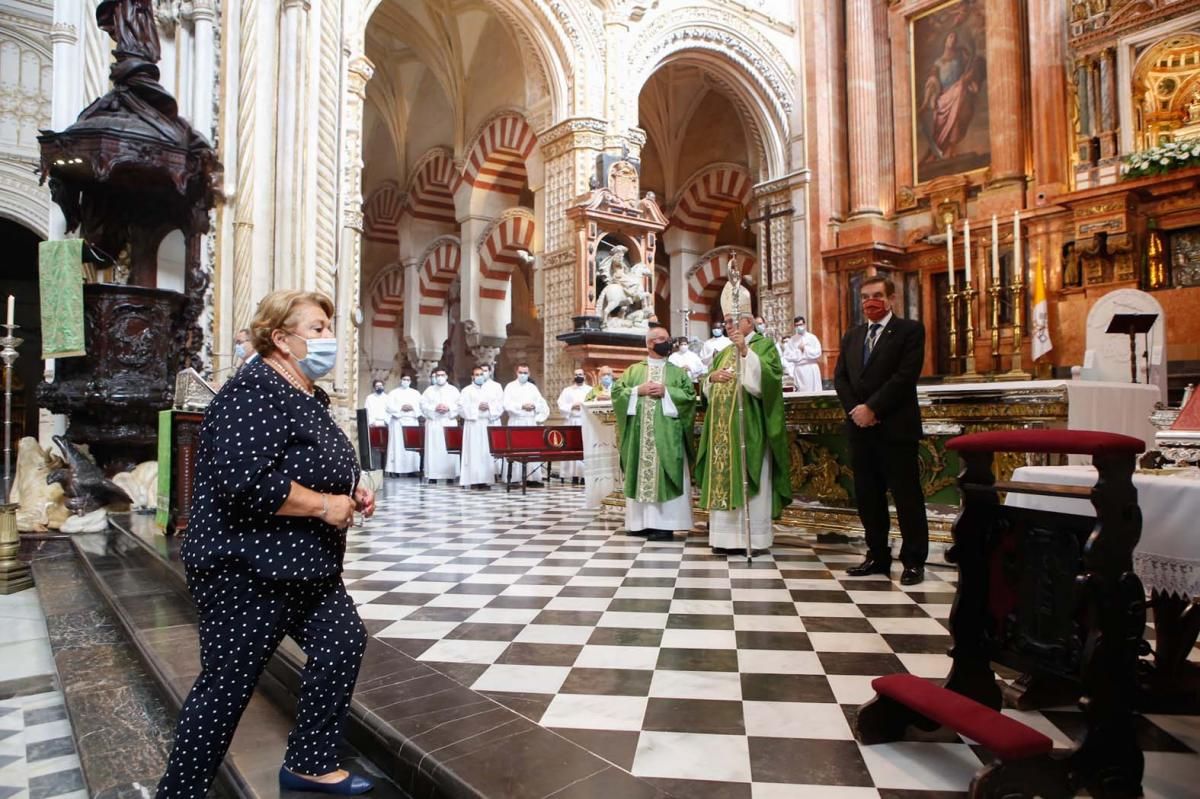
(498, 252)
(662, 282)
(708, 277)
(709, 196)
(496, 161)
(439, 267)
(387, 298)
(381, 213)
(430, 191)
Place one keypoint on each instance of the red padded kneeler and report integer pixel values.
(1007, 737)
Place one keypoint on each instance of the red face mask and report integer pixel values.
(875, 309)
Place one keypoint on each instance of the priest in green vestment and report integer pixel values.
(719, 462)
(655, 407)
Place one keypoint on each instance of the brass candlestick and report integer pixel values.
(952, 298)
(994, 291)
(969, 375)
(1016, 372)
(14, 575)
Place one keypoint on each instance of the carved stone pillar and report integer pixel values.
(862, 102)
(358, 72)
(1005, 90)
(1048, 92)
(569, 151)
(424, 367)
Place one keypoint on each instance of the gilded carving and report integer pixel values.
(816, 471)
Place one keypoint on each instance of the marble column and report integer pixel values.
(289, 147)
(1005, 70)
(862, 102)
(204, 14)
(1048, 65)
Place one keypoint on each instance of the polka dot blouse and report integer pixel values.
(259, 434)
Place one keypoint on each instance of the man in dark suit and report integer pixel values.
(876, 381)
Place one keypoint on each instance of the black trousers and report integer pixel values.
(243, 617)
(879, 466)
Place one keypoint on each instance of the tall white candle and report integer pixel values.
(995, 250)
(1018, 262)
(950, 253)
(967, 249)
(10, 309)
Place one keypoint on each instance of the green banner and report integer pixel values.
(60, 279)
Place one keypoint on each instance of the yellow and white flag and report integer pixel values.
(1040, 317)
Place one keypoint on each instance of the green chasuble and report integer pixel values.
(653, 445)
(719, 462)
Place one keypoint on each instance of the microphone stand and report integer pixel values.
(736, 277)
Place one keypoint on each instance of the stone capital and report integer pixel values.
(204, 10)
(63, 33)
(299, 5)
(572, 134)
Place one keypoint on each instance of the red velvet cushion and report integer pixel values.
(1062, 442)
(1007, 737)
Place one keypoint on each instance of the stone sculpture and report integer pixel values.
(623, 301)
(83, 482)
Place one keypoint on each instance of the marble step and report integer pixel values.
(433, 736)
(156, 613)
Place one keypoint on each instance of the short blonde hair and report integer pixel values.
(278, 311)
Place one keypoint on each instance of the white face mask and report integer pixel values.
(440, 380)
(405, 383)
(684, 348)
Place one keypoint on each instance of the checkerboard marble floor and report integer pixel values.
(706, 675)
(37, 753)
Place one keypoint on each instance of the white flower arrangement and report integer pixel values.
(1164, 158)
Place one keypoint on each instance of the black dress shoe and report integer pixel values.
(912, 575)
(870, 566)
(659, 535)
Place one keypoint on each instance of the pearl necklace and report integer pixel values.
(288, 376)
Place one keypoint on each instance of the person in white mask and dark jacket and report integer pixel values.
(276, 488)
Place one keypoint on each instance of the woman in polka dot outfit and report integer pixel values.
(275, 490)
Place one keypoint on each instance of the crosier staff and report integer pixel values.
(736, 276)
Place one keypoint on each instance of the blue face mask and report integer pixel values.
(239, 351)
(480, 380)
(440, 380)
(606, 381)
(522, 378)
(405, 383)
(718, 332)
(322, 355)
(761, 329)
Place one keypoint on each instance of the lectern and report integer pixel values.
(1130, 324)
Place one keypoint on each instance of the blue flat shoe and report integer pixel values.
(351, 786)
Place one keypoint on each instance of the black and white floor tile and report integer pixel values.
(708, 675)
(37, 752)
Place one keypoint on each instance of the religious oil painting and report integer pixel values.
(949, 81)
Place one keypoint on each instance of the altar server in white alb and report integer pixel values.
(478, 410)
(802, 357)
(526, 407)
(688, 361)
(495, 395)
(718, 342)
(377, 418)
(570, 405)
(439, 406)
(376, 404)
(404, 410)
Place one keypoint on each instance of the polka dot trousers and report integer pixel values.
(243, 617)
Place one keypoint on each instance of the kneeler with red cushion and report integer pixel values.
(1044, 594)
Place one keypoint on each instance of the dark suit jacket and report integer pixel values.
(887, 383)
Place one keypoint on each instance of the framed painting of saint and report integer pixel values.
(947, 46)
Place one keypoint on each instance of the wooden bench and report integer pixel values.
(525, 445)
(1052, 596)
(454, 438)
(414, 441)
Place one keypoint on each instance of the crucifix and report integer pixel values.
(686, 313)
(768, 215)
